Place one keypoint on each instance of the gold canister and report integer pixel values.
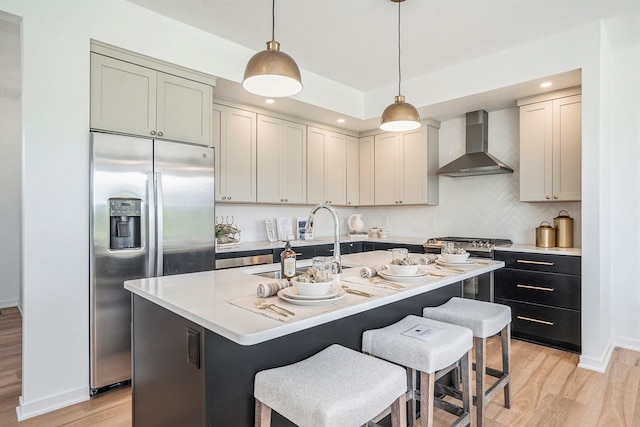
(564, 230)
(545, 235)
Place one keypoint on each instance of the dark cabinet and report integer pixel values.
(168, 367)
(345, 248)
(384, 246)
(544, 293)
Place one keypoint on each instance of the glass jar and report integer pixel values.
(322, 266)
(398, 255)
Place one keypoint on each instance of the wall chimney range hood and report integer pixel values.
(476, 160)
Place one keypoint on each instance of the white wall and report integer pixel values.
(625, 193)
(9, 201)
(10, 162)
(55, 120)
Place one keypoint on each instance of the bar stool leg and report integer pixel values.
(411, 407)
(481, 366)
(398, 413)
(505, 334)
(262, 415)
(465, 371)
(427, 397)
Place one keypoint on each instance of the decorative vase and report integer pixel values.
(356, 224)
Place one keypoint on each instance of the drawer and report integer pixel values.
(546, 323)
(564, 264)
(557, 290)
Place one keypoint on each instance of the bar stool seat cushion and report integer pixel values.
(445, 346)
(335, 387)
(485, 319)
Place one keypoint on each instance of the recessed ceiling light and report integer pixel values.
(269, 101)
(545, 84)
(340, 120)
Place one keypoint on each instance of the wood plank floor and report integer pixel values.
(547, 389)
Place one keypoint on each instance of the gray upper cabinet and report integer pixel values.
(282, 161)
(326, 167)
(234, 140)
(404, 165)
(137, 100)
(551, 147)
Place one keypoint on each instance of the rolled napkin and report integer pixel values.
(368, 272)
(427, 259)
(272, 288)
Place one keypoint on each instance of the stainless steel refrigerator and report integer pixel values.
(152, 214)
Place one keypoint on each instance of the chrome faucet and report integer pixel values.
(336, 266)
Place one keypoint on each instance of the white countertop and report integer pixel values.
(534, 249)
(203, 297)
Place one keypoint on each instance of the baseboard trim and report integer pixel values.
(8, 303)
(42, 406)
(628, 343)
(598, 364)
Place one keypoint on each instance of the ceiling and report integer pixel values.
(354, 42)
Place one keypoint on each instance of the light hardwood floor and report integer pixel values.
(547, 389)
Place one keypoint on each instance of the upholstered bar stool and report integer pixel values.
(334, 388)
(433, 349)
(485, 319)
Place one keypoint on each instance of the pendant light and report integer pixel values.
(399, 116)
(272, 73)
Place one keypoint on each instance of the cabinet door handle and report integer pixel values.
(529, 319)
(524, 261)
(160, 133)
(537, 288)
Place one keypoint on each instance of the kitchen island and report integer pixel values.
(197, 344)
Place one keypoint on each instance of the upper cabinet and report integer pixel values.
(551, 147)
(138, 100)
(353, 178)
(282, 161)
(234, 140)
(366, 171)
(404, 165)
(326, 167)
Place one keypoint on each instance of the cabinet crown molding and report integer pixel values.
(562, 93)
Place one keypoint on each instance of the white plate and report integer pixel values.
(312, 302)
(467, 263)
(292, 292)
(388, 275)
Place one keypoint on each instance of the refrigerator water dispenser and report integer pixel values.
(124, 224)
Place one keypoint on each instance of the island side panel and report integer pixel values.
(168, 384)
(231, 367)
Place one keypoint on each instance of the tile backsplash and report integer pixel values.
(478, 206)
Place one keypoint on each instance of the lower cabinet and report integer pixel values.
(168, 373)
(544, 293)
(383, 246)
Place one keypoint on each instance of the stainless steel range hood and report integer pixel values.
(476, 161)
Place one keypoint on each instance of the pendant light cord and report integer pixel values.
(399, 70)
(273, 20)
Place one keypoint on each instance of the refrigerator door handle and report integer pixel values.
(151, 227)
(159, 226)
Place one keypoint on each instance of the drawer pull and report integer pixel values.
(524, 261)
(537, 288)
(544, 322)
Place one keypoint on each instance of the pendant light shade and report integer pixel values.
(272, 73)
(399, 116)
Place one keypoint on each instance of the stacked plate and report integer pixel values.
(392, 277)
(290, 294)
(467, 263)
